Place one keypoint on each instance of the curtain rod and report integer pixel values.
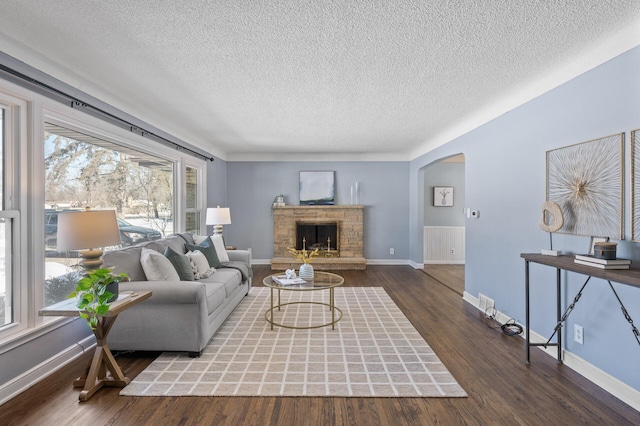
(80, 104)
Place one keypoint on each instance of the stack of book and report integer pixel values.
(596, 262)
(283, 280)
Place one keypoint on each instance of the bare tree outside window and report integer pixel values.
(82, 170)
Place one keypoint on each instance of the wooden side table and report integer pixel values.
(103, 361)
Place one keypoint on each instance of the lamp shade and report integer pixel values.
(218, 216)
(87, 229)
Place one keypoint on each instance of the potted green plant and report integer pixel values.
(94, 296)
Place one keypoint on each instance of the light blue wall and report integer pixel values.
(216, 185)
(505, 181)
(384, 192)
(25, 357)
(444, 174)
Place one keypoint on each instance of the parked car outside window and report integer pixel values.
(129, 234)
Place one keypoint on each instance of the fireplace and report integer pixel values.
(318, 235)
(346, 247)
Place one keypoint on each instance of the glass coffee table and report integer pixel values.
(321, 281)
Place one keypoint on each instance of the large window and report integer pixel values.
(86, 171)
(5, 290)
(54, 158)
(11, 303)
(193, 207)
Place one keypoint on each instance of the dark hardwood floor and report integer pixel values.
(451, 276)
(490, 366)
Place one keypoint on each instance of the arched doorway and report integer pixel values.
(444, 221)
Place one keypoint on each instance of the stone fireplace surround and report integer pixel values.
(350, 221)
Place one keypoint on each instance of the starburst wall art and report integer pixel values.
(586, 181)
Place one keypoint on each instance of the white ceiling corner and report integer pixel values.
(348, 79)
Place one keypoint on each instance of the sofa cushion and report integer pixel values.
(206, 247)
(229, 278)
(176, 242)
(157, 267)
(157, 245)
(216, 296)
(198, 239)
(188, 238)
(181, 263)
(126, 260)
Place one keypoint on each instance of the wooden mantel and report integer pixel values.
(350, 219)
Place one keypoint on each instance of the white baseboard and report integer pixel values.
(416, 265)
(614, 386)
(388, 262)
(23, 382)
(444, 262)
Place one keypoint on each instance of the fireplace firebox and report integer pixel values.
(318, 235)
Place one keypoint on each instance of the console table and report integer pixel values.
(565, 262)
(103, 361)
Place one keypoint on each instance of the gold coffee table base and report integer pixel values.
(335, 318)
(321, 281)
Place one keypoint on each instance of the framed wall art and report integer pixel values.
(586, 180)
(443, 196)
(317, 188)
(635, 185)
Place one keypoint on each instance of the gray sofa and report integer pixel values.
(180, 315)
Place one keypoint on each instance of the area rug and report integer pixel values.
(374, 351)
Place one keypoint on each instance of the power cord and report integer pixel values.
(492, 315)
(510, 328)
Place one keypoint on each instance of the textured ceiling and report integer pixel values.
(358, 79)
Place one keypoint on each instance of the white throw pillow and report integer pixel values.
(200, 264)
(198, 239)
(157, 267)
(221, 251)
(199, 259)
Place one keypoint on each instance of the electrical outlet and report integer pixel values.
(453, 251)
(578, 334)
(392, 251)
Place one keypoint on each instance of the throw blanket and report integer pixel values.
(244, 269)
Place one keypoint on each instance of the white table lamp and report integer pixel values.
(88, 231)
(217, 217)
